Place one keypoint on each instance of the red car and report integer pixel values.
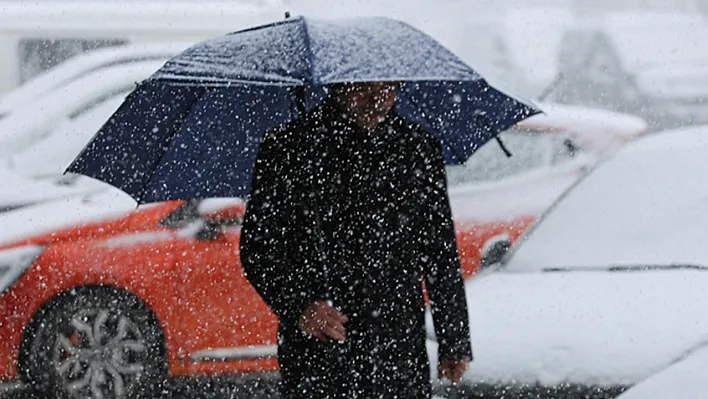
(98, 299)
(130, 298)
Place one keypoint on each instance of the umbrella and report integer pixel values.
(192, 130)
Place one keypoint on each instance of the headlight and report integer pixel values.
(14, 262)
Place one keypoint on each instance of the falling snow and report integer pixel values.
(355, 201)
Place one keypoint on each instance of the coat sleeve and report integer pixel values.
(443, 276)
(276, 255)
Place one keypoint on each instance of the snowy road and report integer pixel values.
(215, 388)
(233, 388)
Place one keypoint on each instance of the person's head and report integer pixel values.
(366, 103)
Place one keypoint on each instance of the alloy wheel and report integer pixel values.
(100, 355)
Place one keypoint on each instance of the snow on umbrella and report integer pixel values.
(192, 130)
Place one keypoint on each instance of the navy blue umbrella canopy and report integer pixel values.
(192, 130)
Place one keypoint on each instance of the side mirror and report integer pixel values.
(210, 231)
(228, 213)
(494, 251)
(212, 228)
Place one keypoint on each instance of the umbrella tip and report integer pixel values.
(287, 14)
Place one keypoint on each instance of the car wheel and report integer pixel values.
(98, 343)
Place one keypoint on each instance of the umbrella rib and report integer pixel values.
(178, 122)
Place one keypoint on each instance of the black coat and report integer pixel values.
(360, 219)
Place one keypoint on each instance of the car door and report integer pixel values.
(225, 324)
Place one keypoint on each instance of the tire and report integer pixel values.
(96, 342)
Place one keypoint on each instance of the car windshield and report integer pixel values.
(645, 206)
(530, 149)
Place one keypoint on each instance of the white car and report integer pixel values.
(56, 114)
(17, 190)
(57, 126)
(80, 66)
(609, 287)
(41, 139)
(685, 379)
(87, 101)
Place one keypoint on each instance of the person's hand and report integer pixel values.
(452, 369)
(321, 320)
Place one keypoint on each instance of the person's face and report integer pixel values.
(366, 104)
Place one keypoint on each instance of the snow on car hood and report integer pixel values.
(594, 328)
(44, 218)
(16, 190)
(685, 379)
(679, 82)
(25, 126)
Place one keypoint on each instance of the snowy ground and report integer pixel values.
(215, 388)
(234, 388)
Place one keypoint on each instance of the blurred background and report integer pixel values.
(585, 52)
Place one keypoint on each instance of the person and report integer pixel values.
(347, 216)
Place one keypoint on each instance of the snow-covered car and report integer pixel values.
(69, 115)
(609, 287)
(17, 190)
(496, 198)
(54, 126)
(79, 66)
(98, 299)
(684, 379)
(37, 35)
(651, 64)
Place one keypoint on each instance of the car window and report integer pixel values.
(531, 149)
